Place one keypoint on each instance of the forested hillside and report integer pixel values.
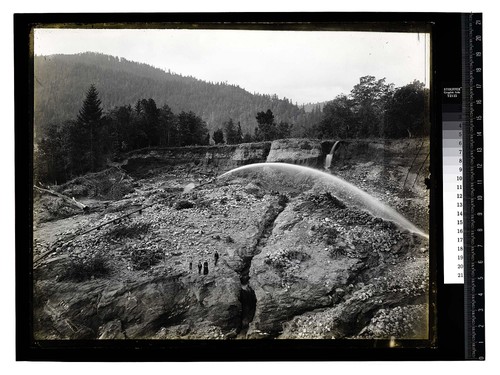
(62, 80)
(92, 107)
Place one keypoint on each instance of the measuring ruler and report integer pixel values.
(473, 187)
(462, 142)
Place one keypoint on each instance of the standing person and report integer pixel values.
(216, 257)
(205, 268)
(190, 265)
(199, 267)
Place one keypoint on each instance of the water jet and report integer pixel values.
(344, 190)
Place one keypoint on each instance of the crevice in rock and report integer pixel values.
(248, 302)
(248, 298)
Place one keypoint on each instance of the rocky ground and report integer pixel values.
(294, 260)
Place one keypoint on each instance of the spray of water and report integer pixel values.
(341, 188)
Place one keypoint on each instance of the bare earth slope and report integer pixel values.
(294, 261)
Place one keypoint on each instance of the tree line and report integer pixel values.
(62, 79)
(70, 148)
(375, 108)
(74, 147)
(267, 129)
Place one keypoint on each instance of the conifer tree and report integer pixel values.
(89, 119)
(230, 132)
(218, 136)
(266, 126)
(239, 134)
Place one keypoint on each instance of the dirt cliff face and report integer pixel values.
(213, 159)
(293, 260)
(222, 158)
(297, 151)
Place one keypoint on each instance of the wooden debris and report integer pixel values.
(67, 199)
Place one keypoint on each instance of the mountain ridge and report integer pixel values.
(61, 82)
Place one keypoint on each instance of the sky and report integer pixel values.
(303, 66)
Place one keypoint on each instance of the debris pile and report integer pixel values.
(111, 183)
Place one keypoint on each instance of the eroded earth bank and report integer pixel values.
(295, 259)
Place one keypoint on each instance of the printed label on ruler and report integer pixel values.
(453, 200)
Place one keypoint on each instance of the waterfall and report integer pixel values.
(329, 157)
(328, 161)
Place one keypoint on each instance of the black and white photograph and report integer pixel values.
(231, 183)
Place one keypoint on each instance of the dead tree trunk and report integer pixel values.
(64, 197)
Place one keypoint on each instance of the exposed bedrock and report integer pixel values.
(142, 308)
(301, 267)
(341, 275)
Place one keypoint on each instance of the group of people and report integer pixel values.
(204, 266)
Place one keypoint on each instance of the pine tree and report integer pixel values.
(266, 127)
(230, 132)
(89, 119)
(192, 129)
(239, 134)
(218, 136)
(247, 138)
